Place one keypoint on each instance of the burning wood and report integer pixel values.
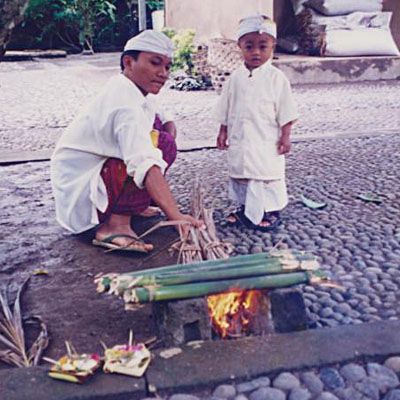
(205, 269)
(233, 313)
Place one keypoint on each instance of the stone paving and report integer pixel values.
(358, 243)
(38, 100)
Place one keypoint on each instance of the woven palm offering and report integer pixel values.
(74, 367)
(128, 359)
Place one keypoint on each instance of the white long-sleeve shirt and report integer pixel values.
(116, 124)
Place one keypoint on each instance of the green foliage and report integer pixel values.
(74, 22)
(155, 5)
(184, 48)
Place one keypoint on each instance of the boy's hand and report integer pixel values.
(222, 139)
(284, 144)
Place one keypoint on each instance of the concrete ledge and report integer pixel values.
(308, 70)
(18, 157)
(27, 55)
(34, 384)
(212, 363)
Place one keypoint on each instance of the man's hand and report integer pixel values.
(170, 127)
(159, 191)
(222, 139)
(185, 228)
(284, 144)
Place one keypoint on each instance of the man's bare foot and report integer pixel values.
(117, 232)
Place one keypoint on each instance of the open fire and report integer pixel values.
(238, 312)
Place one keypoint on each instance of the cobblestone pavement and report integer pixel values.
(39, 98)
(358, 243)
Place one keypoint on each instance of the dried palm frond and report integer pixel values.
(12, 334)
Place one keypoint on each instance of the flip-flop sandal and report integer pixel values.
(272, 219)
(108, 244)
(235, 218)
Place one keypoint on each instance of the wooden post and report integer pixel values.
(142, 15)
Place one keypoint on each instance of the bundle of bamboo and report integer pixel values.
(201, 243)
(256, 271)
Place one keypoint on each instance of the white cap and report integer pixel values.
(152, 41)
(256, 23)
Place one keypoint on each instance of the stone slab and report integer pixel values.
(213, 363)
(26, 55)
(34, 384)
(17, 157)
(310, 70)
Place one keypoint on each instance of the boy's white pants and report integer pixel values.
(258, 196)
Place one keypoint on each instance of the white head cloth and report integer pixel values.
(152, 41)
(256, 23)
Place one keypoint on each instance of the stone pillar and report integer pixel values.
(182, 321)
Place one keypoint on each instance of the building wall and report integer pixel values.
(213, 18)
(284, 17)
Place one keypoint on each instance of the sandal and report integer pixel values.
(270, 221)
(136, 245)
(236, 218)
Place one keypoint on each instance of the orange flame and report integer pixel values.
(231, 312)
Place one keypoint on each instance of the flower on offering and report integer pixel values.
(127, 359)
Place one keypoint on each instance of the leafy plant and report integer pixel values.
(184, 48)
(74, 22)
(155, 5)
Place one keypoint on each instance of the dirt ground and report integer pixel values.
(67, 301)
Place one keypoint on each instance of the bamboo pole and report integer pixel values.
(149, 294)
(235, 266)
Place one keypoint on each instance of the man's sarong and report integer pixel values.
(124, 197)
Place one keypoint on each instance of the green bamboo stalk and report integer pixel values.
(149, 294)
(285, 262)
(179, 268)
(247, 260)
(208, 275)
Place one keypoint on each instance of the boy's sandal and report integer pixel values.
(236, 218)
(269, 222)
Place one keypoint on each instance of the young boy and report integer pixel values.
(256, 111)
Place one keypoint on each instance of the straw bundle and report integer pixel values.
(201, 243)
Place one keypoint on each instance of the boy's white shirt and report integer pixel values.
(116, 124)
(254, 107)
